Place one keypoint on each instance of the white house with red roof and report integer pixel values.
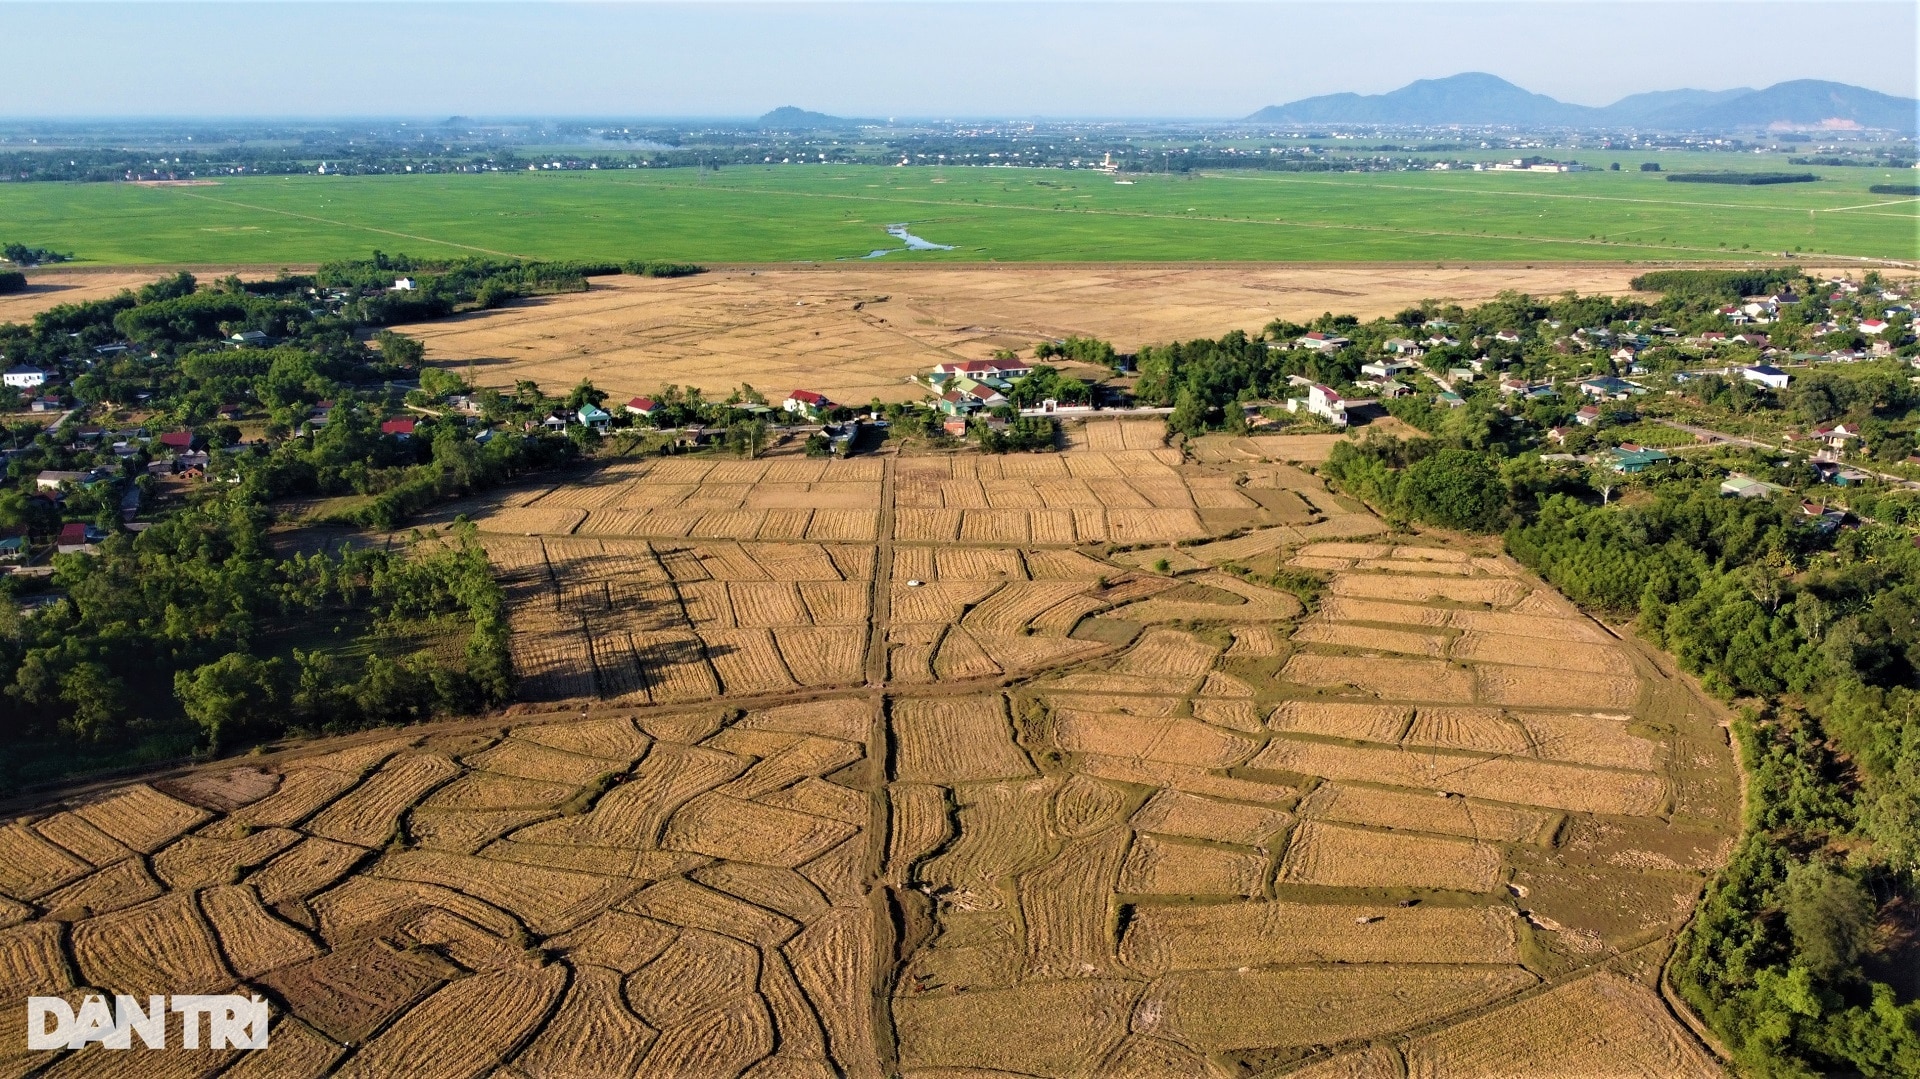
(1323, 342)
(644, 407)
(1323, 402)
(1002, 369)
(1873, 325)
(1837, 435)
(807, 403)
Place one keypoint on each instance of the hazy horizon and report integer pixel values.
(922, 61)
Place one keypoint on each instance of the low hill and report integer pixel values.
(1661, 107)
(793, 118)
(1471, 98)
(1811, 102)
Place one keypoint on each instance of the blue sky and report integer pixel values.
(990, 59)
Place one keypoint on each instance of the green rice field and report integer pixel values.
(834, 212)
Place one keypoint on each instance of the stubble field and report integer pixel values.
(935, 803)
(857, 334)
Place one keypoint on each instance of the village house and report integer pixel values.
(54, 479)
(400, 427)
(593, 417)
(1873, 326)
(1630, 458)
(1005, 370)
(1766, 375)
(24, 377)
(807, 403)
(1588, 416)
(644, 407)
(1326, 404)
(1609, 387)
(955, 403)
(77, 538)
(1323, 342)
(1740, 485)
(985, 393)
(1385, 368)
(1836, 436)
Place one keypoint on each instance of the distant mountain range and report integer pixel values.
(1477, 98)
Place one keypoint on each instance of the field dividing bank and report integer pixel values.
(763, 214)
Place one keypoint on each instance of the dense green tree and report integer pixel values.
(229, 695)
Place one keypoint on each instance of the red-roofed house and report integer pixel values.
(1322, 341)
(983, 369)
(1836, 436)
(399, 427)
(1872, 325)
(807, 403)
(180, 441)
(1323, 402)
(74, 539)
(645, 407)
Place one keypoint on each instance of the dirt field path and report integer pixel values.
(880, 616)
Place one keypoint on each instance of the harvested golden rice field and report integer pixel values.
(856, 333)
(916, 766)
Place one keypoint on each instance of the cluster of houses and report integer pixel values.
(1528, 164)
(974, 385)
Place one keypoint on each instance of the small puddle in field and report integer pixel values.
(914, 243)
